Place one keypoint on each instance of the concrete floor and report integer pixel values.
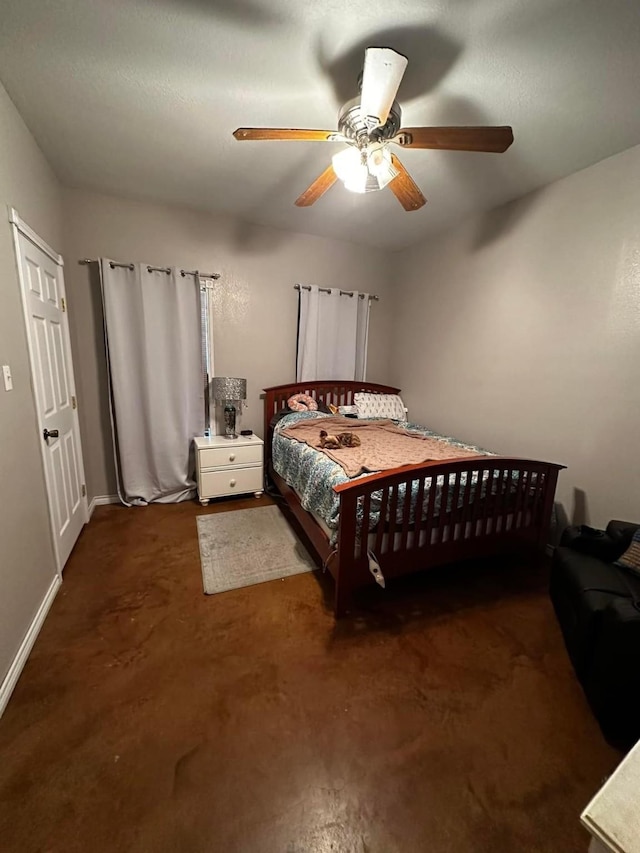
(442, 716)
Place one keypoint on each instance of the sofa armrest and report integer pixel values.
(612, 679)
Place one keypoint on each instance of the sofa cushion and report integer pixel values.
(605, 546)
(587, 574)
(622, 531)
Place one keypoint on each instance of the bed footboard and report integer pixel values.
(426, 515)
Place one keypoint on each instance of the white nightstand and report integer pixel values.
(228, 466)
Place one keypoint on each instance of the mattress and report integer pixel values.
(313, 475)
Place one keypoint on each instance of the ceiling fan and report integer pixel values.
(368, 124)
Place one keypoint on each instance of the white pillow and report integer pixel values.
(379, 406)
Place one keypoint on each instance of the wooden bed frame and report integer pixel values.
(513, 515)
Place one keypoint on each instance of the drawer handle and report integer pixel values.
(232, 456)
(232, 482)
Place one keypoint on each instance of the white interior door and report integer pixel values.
(43, 298)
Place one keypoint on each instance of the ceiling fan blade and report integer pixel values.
(381, 76)
(287, 133)
(318, 188)
(405, 188)
(495, 140)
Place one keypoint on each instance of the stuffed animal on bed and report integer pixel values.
(335, 442)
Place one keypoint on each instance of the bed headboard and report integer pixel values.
(325, 391)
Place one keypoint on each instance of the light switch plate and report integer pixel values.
(6, 374)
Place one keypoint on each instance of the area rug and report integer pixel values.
(248, 546)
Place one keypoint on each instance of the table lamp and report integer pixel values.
(228, 391)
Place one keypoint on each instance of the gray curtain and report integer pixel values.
(152, 335)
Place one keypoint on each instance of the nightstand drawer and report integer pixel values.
(231, 457)
(213, 484)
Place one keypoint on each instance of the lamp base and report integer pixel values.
(230, 421)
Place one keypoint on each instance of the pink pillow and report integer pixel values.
(302, 403)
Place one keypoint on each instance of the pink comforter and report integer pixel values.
(383, 444)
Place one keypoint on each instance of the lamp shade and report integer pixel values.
(228, 388)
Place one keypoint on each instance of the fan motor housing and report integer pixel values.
(352, 125)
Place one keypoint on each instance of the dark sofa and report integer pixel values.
(598, 608)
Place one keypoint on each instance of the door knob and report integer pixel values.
(50, 433)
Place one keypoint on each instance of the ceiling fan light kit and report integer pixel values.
(364, 170)
(369, 124)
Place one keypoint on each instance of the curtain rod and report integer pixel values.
(183, 273)
(342, 292)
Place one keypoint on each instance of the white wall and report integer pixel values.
(520, 330)
(27, 565)
(255, 325)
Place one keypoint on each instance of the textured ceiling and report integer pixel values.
(140, 97)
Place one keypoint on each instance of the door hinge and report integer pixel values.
(84, 491)
(74, 404)
(64, 304)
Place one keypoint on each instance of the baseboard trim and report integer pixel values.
(11, 678)
(102, 500)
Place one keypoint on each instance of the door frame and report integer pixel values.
(20, 227)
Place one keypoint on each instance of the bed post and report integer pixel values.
(341, 596)
(342, 571)
(550, 483)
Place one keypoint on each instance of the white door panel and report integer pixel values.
(52, 372)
